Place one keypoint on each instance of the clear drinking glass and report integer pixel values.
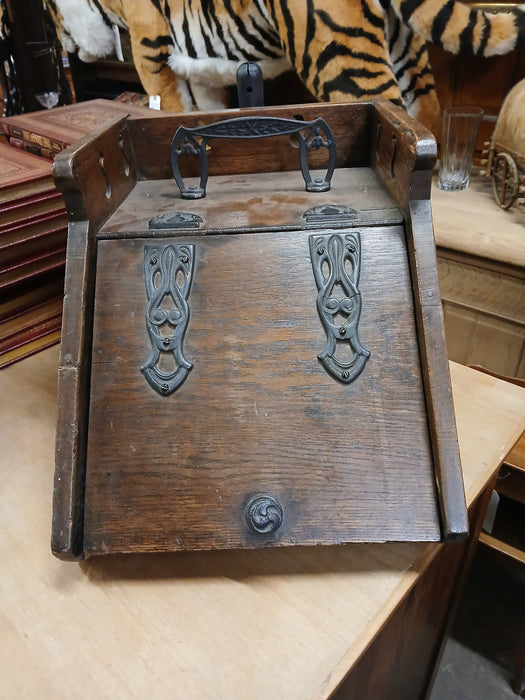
(458, 141)
(45, 77)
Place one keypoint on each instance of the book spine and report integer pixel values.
(29, 348)
(32, 137)
(33, 148)
(22, 270)
(50, 325)
(41, 315)
(46, 242)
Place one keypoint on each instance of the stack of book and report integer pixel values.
(48, 132)
(33, 234)
(33, 221)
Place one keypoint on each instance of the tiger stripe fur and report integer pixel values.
(187, 51)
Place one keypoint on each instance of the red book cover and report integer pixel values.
(21, 270)
(59, 127)
(19, 326)
(30, 297)
(29, 208)
(32, 246)
(24, 230)
(22, 174)
(35, 342)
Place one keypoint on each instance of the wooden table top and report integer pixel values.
(251, 624)
(471, 222)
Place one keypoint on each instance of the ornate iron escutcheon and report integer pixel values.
(311, 136)
(336, 261)
(264, 514)
(168, 272)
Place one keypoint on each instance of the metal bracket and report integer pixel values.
(175, 220)
(250, 85)
(339, 300)
(330, 214)
(168, 273)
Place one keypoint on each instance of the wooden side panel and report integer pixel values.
(73, 392)
(403, 153)
(436, 375)
(258, 413)
(404, 156)
(95, 176)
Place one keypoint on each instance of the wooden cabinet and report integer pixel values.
(481, 266)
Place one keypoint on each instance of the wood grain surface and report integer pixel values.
(350, 123)
(258, 412)
(482, 277)
(471, 222)
(274, 201)
(283, 622)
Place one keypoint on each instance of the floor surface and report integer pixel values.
(478, 661)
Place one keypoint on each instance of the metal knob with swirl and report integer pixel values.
(264, 514)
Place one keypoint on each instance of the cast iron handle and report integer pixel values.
(194, 141)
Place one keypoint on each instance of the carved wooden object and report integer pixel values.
(264, 366)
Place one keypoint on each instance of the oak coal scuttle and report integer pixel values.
(253, 351)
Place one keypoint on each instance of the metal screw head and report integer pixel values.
(154, 261)
(342, 330)
(165, 388)
(345, 374)
(184, 259)
(320, 251)
(165, 341)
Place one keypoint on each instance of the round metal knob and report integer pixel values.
(264, 514)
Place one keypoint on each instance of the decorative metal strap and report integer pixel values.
(168, 272)
(339, 300)
(194, 141)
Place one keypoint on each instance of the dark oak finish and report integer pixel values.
(257, 386)
(373, 460)
(84, 186)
